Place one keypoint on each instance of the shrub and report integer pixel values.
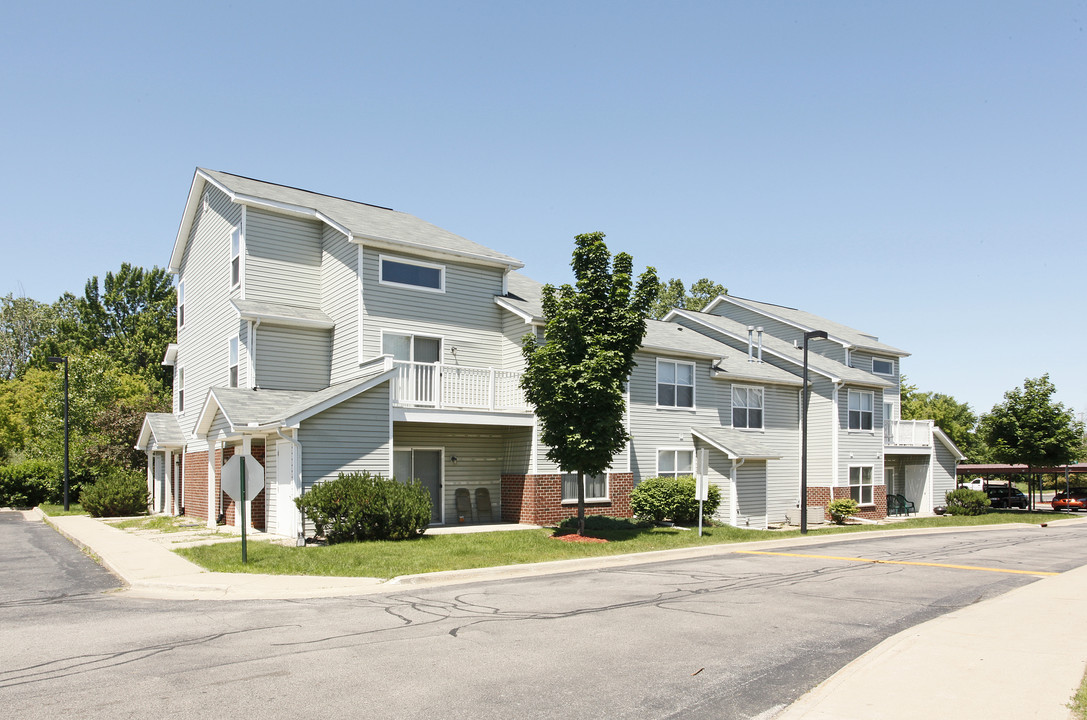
(29, 483)
(668, 497)
(115, 494)
(965, 501)
(361, 506)
(842, 509)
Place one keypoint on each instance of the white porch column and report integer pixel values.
(212, 500)
(168, 483)
(734, 497)
(151, 478)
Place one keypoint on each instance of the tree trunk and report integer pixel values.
(580, 503)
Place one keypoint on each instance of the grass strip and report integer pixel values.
(434, 553)
(56, 509)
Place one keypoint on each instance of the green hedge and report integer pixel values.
(965, 501)
(674, 498)
(361, 506)
(30, 483)
(118, 493)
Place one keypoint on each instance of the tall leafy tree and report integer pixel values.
(575, 378)
(24, 323)
(1030, 428)
(953, 417)
(674, 294)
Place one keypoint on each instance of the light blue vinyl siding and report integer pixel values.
(282, 259)
(751, 492)
(465, 315)
(292, 358)
(481, 457)
(514, 328)
(943, 473)
(209, 319)
(781, 432)
(860, 447)
(340, 301)
(350, 437)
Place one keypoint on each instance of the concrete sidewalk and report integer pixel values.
(1006, 657)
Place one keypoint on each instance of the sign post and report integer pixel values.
(242, 480)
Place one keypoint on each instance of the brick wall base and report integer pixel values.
(822, 496)
(196, 488)
(537, 499)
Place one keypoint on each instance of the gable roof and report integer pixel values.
(361, 223)
(279, 314)
(806, 321)
(245, 408)
(947, 443)
(160, 430)
(817, 363)
(735, 444)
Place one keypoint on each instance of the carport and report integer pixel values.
(1010, 470)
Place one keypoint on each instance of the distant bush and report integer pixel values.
(604, 523)
(965, 501)
(29, 483)
(668, 497)
(117, 493)
(361, 506)
(842, 509)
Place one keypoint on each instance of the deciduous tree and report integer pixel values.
(1030, 428)
(575, 378)
(673, 294)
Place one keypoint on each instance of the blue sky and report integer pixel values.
(915, 170)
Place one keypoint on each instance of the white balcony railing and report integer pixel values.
(914, 433)
(434, 385)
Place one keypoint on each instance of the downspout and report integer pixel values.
(734, 504)
(297, 472)
(253, 325)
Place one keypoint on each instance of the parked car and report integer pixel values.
(1072, 500)
(1004, 496)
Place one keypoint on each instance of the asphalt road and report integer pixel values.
(733, 636)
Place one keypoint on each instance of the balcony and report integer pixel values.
(907, 433)
(456, 387)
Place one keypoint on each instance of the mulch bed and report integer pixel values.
(575, 538)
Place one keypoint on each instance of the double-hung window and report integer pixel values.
(675, 384)
(674, 463)
(181, 304)
(235, 257)
(747, 407)
(860, 484)
(179, 381)
(233, 363)
(426, 276)
(596, 487)
(860, 410)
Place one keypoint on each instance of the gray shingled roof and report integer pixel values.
(245, 407)
(364, 221)
(770, 344)
(276, 313)
(165, 428)
(735, 442)
(810, 321)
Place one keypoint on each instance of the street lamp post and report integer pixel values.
(804, 434)
(65, 361)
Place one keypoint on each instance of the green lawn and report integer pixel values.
(432, 553)
(1078, 706)
(53, 510)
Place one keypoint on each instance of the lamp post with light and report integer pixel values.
(57, 360)
(812, 335)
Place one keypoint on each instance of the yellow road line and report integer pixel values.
(898, 562)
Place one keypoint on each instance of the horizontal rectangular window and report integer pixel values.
(883, 366)
(596, 486)
(746, 407)
(860, 410)
(675, 384)
(860, 485)
(420, 275)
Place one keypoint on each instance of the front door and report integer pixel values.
(286, 511)
(424, 465)
(917, 486)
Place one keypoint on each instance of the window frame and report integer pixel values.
(179, 384)
(572, 479)
(382, 259)
(233, 362)
(675, 384)
(890, 361)
(411, 345)
(857, 489)
(761, 408)
(180, 304)
(675, 461)
(861, 412)
(236, 269)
